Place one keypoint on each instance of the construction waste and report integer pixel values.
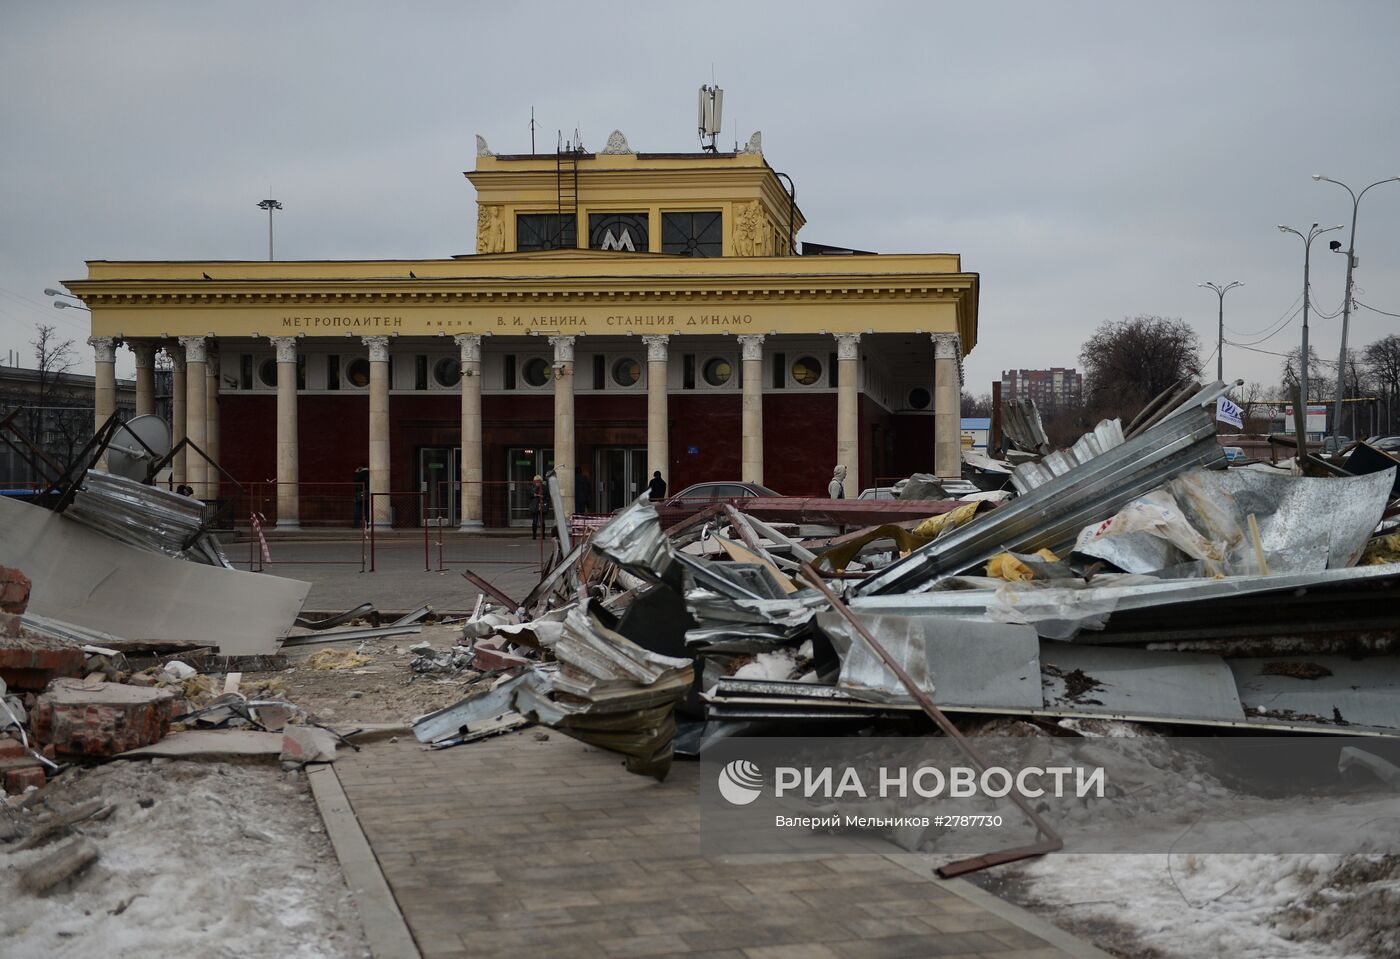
(1135, 576)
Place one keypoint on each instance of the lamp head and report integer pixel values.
(1319, 176)
(50, 291)
(1282, 228)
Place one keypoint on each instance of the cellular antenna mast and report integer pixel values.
(711, 106)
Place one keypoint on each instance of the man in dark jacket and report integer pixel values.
(656, 489)
(583, 492)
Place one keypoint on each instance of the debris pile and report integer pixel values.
(1133, 576)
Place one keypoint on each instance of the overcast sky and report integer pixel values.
(1090, 160)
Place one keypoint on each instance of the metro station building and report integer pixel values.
(624, 312)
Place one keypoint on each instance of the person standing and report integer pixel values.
(538, 498)
(656, 489)
(836, 489)
(583, 491)
(361, 496)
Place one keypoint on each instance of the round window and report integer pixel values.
(919, 398)
(626, 372)
(718, 371)
(535, 372)
(267, 372)
(448, 371)
(357, 372)
(806, 370)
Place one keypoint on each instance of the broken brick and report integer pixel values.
(21, 773)
(488, 658)
(11, 749)
(30, 662)
(101, 719)
(14, 590)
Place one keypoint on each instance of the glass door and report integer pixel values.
(522, 466)
(439, 478)
(619, 476)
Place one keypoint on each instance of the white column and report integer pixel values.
(104, 396)
(947, 406)
(145, 353)
(658, 419)
(847, 411)
(196, 428)
(288, 465)
(564, 418)
(211, 420)
(752, 455)
(379, 427)
(177, 410)
(470, 345)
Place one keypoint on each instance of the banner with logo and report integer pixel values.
(1227, 412)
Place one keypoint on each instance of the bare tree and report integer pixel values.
(57, 417)
(976, 405)
(1321, 376)
(1128, 362)
(1382, 361)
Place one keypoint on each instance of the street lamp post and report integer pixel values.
(1312, 234)
(1346, 302)
(1220, 291)
(269, 205)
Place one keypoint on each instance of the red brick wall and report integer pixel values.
(799, 442)
(913, 444)
(799, 435)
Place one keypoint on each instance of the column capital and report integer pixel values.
(752, 345)
(196, 348)
(470, 345)
(211, 362)
(656, 346)
(846, 346)
(563, 348)
(378, 348)
(286, 347)
(105, 347)
(946, 346)
(177, 357)
(145, 353)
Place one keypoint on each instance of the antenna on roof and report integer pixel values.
(532, 131)
(711, 106)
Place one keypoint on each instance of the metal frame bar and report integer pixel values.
(1051, 841)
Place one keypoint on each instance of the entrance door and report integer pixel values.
(439, 476)
(619, 476)
(522, 466)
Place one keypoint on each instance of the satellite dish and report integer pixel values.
(125, 454)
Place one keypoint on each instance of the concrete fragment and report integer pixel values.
(57, 867)
(307, 744)
(101, 719)
(217, 744)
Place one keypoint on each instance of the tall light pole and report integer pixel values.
(1313, 234)
(269, 205)
(1220, 291)
(1346, 302)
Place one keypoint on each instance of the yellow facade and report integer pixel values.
(752, 288)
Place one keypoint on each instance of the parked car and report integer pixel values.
(693, 499)
(1335, 444)
(1386, 444)
(878, 492)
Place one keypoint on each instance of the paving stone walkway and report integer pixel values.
(516, 847)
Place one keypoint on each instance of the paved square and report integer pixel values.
(515, 847)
